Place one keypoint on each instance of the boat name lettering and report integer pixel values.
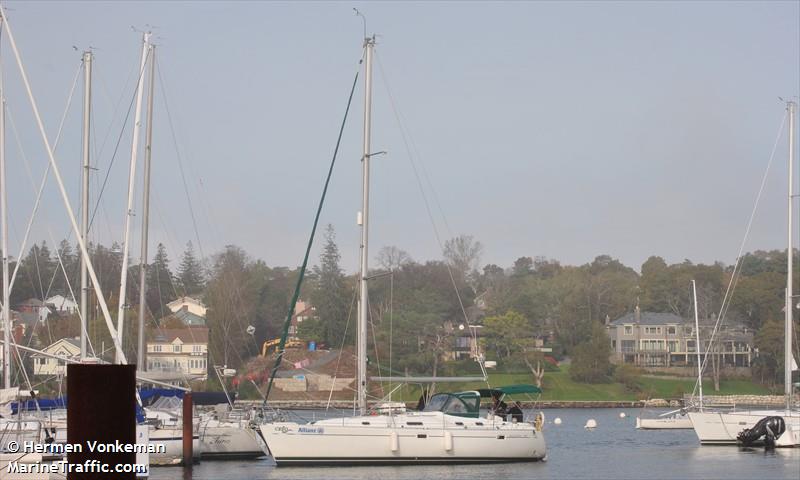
(317, 430)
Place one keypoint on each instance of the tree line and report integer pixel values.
(419, 309)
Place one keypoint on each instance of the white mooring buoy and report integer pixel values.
(557, 421)
(591, 423)
(622, 415)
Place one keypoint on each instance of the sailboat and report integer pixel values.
(679, 419)
(726, 428)
(450, 429)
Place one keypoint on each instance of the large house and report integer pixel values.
(178, 354)
(650, 339)
(65, 347)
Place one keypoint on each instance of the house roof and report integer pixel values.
(182, 300)
(71, 341)
(32, 302)
(650, 318)
(59, 300)
(189, 318)
(658, 318)
(186, 335)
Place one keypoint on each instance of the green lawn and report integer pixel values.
(558, 386)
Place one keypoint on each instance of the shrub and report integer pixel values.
(629, 376)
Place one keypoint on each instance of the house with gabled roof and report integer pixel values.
(193, 305)
(46, 366)
(177, 354)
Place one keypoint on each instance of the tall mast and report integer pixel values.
(4, 215)
(787, 369)
(369, 43)
(148, 144)
(60, 182)
(87, 104)
(697, 348)
(137, 123)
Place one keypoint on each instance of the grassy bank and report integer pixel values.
(559, 386)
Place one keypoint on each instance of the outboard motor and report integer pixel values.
(770, 428)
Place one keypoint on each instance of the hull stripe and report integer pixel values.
(327, 461)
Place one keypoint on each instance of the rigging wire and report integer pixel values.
(180, 161)
(232, 304)
(341, 347)
(739, 256)
(405, 136)
(296, 295)
(119, 141)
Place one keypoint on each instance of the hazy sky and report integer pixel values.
(562, 129)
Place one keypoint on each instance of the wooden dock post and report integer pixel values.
(188, 433)
(101, 408)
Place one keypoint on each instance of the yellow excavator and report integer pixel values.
(290, 343)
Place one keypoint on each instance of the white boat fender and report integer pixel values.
(590, 424)
(448, 441)
(394, 440)
(622, 415)
(557, 421)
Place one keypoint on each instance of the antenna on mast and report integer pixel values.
(363, 20)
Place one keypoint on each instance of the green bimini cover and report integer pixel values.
(510, 390)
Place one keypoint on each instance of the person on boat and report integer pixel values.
(499, 407)
(516, 412)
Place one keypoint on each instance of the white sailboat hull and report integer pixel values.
(413, 438)
(682, 422)
(718, 428)
(172, 440)
(223, 440)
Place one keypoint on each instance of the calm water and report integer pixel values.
(614, 450)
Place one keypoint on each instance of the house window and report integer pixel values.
(687, 330)
(652, 330)
(613, 344)
(628, 346)
(628, 329)
(671, 330)
(156, 348)
(690, 346)
(652, 345)
(672, 346)
(197, 349)
(176, 348)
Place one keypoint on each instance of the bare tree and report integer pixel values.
(464, 254)
(392, 258)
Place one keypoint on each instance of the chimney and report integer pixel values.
(637, 314)
(608, 319)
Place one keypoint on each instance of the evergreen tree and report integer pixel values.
(71, 263)
(190, 272)
(37, 269)
(160, 283)
(330, 296)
